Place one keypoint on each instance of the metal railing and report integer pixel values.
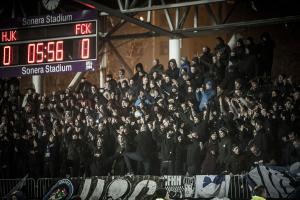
(43, 185)
(6, 185)
(239, 188)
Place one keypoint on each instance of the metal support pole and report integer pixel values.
(120, 5)
(126, 4)
(133, 3)
(196, 16)
(149, 12)
(177, 18)
(174, 49)
(167, 14)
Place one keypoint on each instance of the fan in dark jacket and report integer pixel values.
(265, 54)
(173, 70)
(144, 150)
(20, 155)
(167, 145)
(157, 67)
(138, 76)
(5, 154)
(256, 157)
(73, 155)
(290, 150)
(34, 155)
(260, 137)
(97, 166)
(51, 152)
(224, 149)
(84, 86)
(125, 144)
(205, 60)
(223, 50)
(180, 155)
(193, 158)
(209, 164)
(236, 163)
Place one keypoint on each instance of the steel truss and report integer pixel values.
(127, 11)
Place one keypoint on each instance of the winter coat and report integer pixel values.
(73, 150)
(209, 164)
(193, 154)
(224, 150)
(173, 73)
(236, 164)
(145, 145)
(261, 141)
(180, 157)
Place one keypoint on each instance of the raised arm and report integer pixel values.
(221, 106)
(245, 102)
(231, 108)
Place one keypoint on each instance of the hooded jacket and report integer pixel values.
(204, 97)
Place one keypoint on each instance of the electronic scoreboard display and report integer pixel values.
(48, 44)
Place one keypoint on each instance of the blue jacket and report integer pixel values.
(204, 97)
(186, 67)
(148, 100)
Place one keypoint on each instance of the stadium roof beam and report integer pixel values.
(220, 12)
(211, 14)
(237, 25)
(134, 36)
(167, 6)
(230, 12)
(117, 13)
(204, 30)
(183, 17)
(133, 3)
(120, 5)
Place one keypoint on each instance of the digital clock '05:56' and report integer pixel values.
(40, 52)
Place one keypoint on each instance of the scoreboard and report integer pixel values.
(48, 44)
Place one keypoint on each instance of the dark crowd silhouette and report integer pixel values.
(220, 112)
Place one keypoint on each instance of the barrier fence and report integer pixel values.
(239, 188)
(6, 185)
(43, 185)
(36, 189)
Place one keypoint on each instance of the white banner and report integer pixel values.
(209, 186)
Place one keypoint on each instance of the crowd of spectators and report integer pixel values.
(219, 113)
